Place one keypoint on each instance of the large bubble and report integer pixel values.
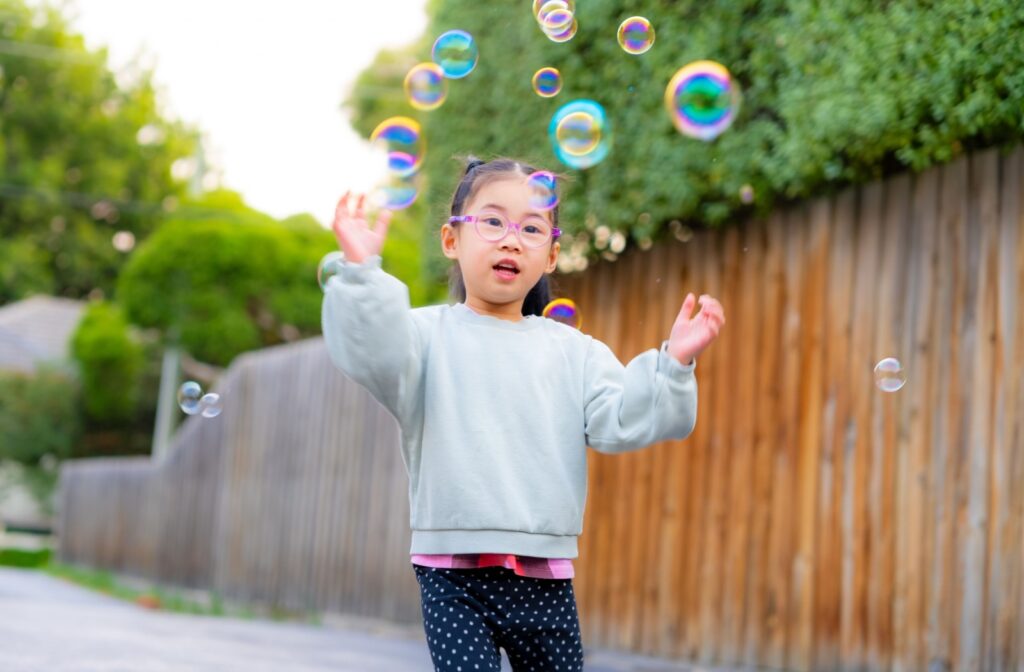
(403, 141)
(426, 87)
(702, 99)
(580, 133)
(456, 53)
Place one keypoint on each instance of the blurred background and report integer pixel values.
(168, 174)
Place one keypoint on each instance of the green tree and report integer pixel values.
(81, 157)
(221, 278)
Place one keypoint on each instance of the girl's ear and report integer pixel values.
(449, 241)
(553, 257)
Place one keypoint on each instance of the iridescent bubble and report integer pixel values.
(747, 194)
(540, 7)
(401, 138)
(636, 35)
(189, 397)
(556, 19)
(564, 311)
(580, 133)
(329, 267)
(702, 99)
(889, 375)
(397, 195)
(547, 82)
(543, 190)
(456, 53)
(565, 35)
(210, 404)
(426, 86)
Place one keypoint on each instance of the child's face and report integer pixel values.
(486, 287)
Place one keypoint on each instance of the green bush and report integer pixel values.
(110, 361)
(834, 93)
(225, 284)
(39, 415)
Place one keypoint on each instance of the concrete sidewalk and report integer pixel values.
(49, 624)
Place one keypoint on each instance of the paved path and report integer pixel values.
(47, 624)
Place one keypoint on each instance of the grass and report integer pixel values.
(16, 557)
(166, 599)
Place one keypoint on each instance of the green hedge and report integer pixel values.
(39, 415)
(834, 93)
(110, 362)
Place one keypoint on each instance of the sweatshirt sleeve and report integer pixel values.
(653, 398)
(370, 333)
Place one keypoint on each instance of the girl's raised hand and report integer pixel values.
(356, 239)
(691, 335)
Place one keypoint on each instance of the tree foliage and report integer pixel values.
(834, 93)
(83, 154)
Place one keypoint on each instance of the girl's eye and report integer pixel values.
(493, 221)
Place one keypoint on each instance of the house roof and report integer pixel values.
(36, 330)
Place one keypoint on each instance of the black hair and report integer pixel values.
(540, 295)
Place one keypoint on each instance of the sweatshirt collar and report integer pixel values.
(466, 314)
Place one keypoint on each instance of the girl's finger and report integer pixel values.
(342, 207)
(383, 219)
(687, 310)
(360, 211)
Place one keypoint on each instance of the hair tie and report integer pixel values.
(473, 163)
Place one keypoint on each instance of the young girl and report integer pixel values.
(497, 406)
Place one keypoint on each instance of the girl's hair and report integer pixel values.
(478, 173)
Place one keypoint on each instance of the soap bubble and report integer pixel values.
(747, 194)
(397, 195)
(702, 99)
(889, 375)
(189, 395)
(329, 267)
(547, 82)
(580, 133)
(564, 311)
(426, 86)
(540, 5)
(210, 404)
(557, 18)
(636, 35)
(456, 53)
(403, 141)
(543, 191)
(565, 35)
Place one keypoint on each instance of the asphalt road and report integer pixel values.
(47, 624)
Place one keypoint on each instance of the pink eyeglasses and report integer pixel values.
(533, 231)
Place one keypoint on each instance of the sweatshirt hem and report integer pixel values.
(433, 542)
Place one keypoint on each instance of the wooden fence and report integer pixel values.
(812, 521)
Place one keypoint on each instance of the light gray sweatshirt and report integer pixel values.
(495, 415)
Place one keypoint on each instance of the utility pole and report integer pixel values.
(170, 371)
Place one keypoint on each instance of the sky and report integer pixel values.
(264, 80)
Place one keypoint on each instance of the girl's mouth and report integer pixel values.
(506, 272)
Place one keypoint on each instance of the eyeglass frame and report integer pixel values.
(475, 219)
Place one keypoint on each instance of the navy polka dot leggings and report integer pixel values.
(469, 613)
